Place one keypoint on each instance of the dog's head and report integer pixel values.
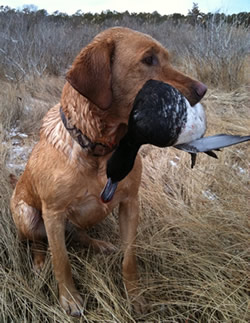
(115, 65)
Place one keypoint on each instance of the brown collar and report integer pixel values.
(97, 149)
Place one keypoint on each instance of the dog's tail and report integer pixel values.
(13, 180)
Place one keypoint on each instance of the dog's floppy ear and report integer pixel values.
(90, 73)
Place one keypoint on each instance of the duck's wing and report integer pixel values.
(216, 142)
(210, 143)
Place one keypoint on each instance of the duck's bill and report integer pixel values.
(108, 191)
(208, 144)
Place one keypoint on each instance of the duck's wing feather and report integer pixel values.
(216, 142)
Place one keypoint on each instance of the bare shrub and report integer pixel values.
(38, 47)
(215, 54)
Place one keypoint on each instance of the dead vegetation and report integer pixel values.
(193, 249)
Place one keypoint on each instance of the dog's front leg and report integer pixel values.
(128, 221)
(69, 298)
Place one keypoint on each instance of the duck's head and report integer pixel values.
(163, 117)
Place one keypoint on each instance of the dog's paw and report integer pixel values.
(139, 305)
(72, 303)
(96, 244)
(38, 262)
(103, 246)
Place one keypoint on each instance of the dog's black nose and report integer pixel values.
(200, 89)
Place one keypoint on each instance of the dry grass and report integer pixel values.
(192, 240)
(193, 250)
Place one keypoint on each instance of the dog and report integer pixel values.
(66, 171)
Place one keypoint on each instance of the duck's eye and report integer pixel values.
(150, 60)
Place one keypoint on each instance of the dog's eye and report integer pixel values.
(150, 60)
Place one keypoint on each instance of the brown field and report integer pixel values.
(193, 237)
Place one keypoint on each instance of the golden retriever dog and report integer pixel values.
(66, 171)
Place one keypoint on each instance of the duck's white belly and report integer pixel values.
(196, 125)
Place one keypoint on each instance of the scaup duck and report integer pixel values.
(163, 117)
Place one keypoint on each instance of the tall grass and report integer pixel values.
(192, 243)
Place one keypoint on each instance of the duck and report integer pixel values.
(163, 117)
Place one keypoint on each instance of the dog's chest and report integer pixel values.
(87, 208)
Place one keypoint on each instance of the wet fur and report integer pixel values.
(62, 182)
